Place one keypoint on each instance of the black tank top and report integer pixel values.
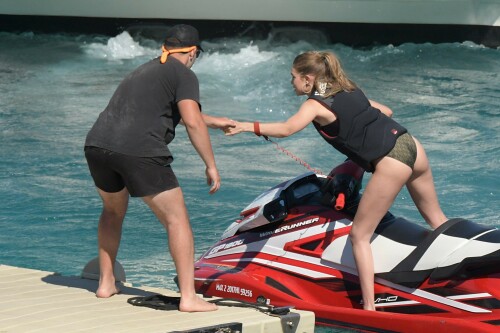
(361, 132)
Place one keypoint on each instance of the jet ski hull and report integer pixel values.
(296, 252)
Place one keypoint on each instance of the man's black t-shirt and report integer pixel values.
(141, 116)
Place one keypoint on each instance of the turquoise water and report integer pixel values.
(52, 88)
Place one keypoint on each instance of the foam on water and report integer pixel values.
(118, 48)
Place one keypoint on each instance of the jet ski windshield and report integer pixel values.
(307, 192)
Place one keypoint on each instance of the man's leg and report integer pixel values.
(109, 235)
(171, 210)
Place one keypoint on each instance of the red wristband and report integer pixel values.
(256, 128)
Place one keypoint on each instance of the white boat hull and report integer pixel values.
(461, 12)
(351, 22)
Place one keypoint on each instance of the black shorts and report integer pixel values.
(141, 176)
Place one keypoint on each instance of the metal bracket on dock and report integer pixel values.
(290, 322)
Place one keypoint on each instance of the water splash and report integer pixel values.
(121, 47)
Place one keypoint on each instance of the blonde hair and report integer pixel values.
(330, 78)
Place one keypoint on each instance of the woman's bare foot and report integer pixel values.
(196, 304)
(106, 292)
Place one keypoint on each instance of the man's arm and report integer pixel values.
(198, 134)
(222, 123)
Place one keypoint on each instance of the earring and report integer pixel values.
(322, 88)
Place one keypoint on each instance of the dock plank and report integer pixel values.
(40, 301)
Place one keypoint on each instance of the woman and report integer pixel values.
(363, 130)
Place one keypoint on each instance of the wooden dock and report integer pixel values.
(38, 301)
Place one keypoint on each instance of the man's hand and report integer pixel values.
(221, 123)
(213, 179)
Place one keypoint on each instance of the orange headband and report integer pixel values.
(165, 52)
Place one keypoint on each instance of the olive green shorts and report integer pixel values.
(405, 150)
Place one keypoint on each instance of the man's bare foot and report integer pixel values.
(106, 292)
(196, 304)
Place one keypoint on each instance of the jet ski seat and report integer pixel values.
(433, 250)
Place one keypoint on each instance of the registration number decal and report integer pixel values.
(225, 288)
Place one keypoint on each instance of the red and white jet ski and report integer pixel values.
(291, 247)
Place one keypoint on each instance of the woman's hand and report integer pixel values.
(224, 123)
(237, 128)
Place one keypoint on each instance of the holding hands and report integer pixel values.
(222, 123)
(237, 128)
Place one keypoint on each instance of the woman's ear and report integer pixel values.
(309, 78)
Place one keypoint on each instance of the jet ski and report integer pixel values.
(290, 247)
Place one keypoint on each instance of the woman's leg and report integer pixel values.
(171, 210)
(383, 187)
(109, 235)
(422, 190)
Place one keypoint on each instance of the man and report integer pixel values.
(127, 153)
